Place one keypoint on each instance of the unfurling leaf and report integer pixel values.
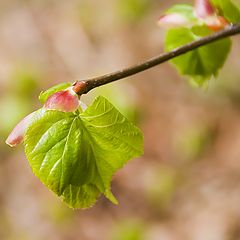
(207, 12)
(75, 149)
(204, 8)
(65, 101)
(17, 135)
(227, 9)
(181, 15)
(46, 94)
(76, 154)
(203, 13)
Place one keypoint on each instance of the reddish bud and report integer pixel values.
(204, 9)
(216, 23)
(79, 87)
(17, 134)
(65, 101)
(173, 20)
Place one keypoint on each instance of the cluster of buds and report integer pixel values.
(204, 12)
(64, 101)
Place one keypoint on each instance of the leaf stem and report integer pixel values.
(89, 84)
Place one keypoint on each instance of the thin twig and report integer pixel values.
(89, 84)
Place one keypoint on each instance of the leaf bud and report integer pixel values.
(65, 101)
(173, 20)
(17, 135)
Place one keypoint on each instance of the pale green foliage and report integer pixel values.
(44, 95)
(200, 64)
(227, 9)
(76, 154)
(185, 10)
(205, 62)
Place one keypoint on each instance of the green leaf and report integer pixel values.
(200, 64)
(227, 9)
(185, 10)
(45, 94)
(76, 154)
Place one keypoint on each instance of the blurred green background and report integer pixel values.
(187, 184)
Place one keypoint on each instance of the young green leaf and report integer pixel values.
(200, 64)
(180, 15)
(76, 154)
(183, 9)
(227, 9)
(44, 95)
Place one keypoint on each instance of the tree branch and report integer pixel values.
(84, 86)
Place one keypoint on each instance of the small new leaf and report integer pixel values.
(183, 9)
(227, 9)
(76, 154)
(43, 96)
(181, 15)
(200, 64)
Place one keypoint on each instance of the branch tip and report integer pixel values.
(80, 87)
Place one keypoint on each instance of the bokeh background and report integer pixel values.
(187, 184)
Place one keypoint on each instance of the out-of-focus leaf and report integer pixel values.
(133, 10)
(181, 15)
(129, 230)
(200, 64)
(227, 9)
(12, 109)
(23, 81)
(183, 9)
(161, 187)
(192, 143)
